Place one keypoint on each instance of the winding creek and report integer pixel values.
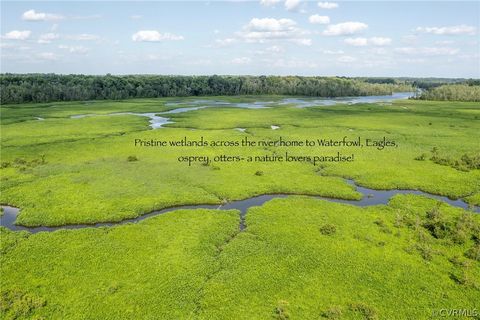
(159, 119)
(370, 197)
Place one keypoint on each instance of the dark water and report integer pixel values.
(370, 197)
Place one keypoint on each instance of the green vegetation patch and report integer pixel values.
(284, 264)
(151, 270)
(384, 262)
(69, 171)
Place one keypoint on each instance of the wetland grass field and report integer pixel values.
(298, 257)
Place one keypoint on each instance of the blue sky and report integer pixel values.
(292, 37)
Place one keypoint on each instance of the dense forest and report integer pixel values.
(429, 83)
(22, 88)
(470, 91)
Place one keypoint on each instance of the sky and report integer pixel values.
(265, 37)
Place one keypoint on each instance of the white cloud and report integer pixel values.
(270, 51)
(410, 39)
(361, 42)
(275, 49)
(335, 52)
(32, 15)
(317, 19)
(290, 63)
(345, 28)
(303, 41)
(407, 50)
(154, 36)
(452, 30)
(48, 56)
(4, 45)
(74, 49)
(414, 60)
(14, 46)
(224, 42)
(444, 42)
(136, 17)
(269, 3)
(327, 5)
(357, 42)
(17, 35)
(241, 61)
(474, 56)
(291, 4)
(380, 41)
(47, 37)
(266, 29)
(83, 37)
(380, 51)
(270, 24)
(346, 59)
(427, 51)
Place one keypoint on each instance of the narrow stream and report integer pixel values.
(370, 197)
(157, 120)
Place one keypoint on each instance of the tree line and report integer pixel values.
(469, 91)
(24, 88)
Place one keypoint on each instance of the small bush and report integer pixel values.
(15, 304)
(466, 162)
(5, 164)
(460, 236)
(425, 251)
(399, 221)
(368, 312)
(334, 312)
(132, 158)
(463, 276)
(437, 224)
(381, 244)
(20, 161)
(421, 157)
(114, 287)
(281, 310)
(459, 261)
(474, 252)
(328, 229)
(383, 227)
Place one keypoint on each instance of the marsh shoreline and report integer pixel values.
(370, 197)
(157, 121)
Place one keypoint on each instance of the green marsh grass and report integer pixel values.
(298, 258)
